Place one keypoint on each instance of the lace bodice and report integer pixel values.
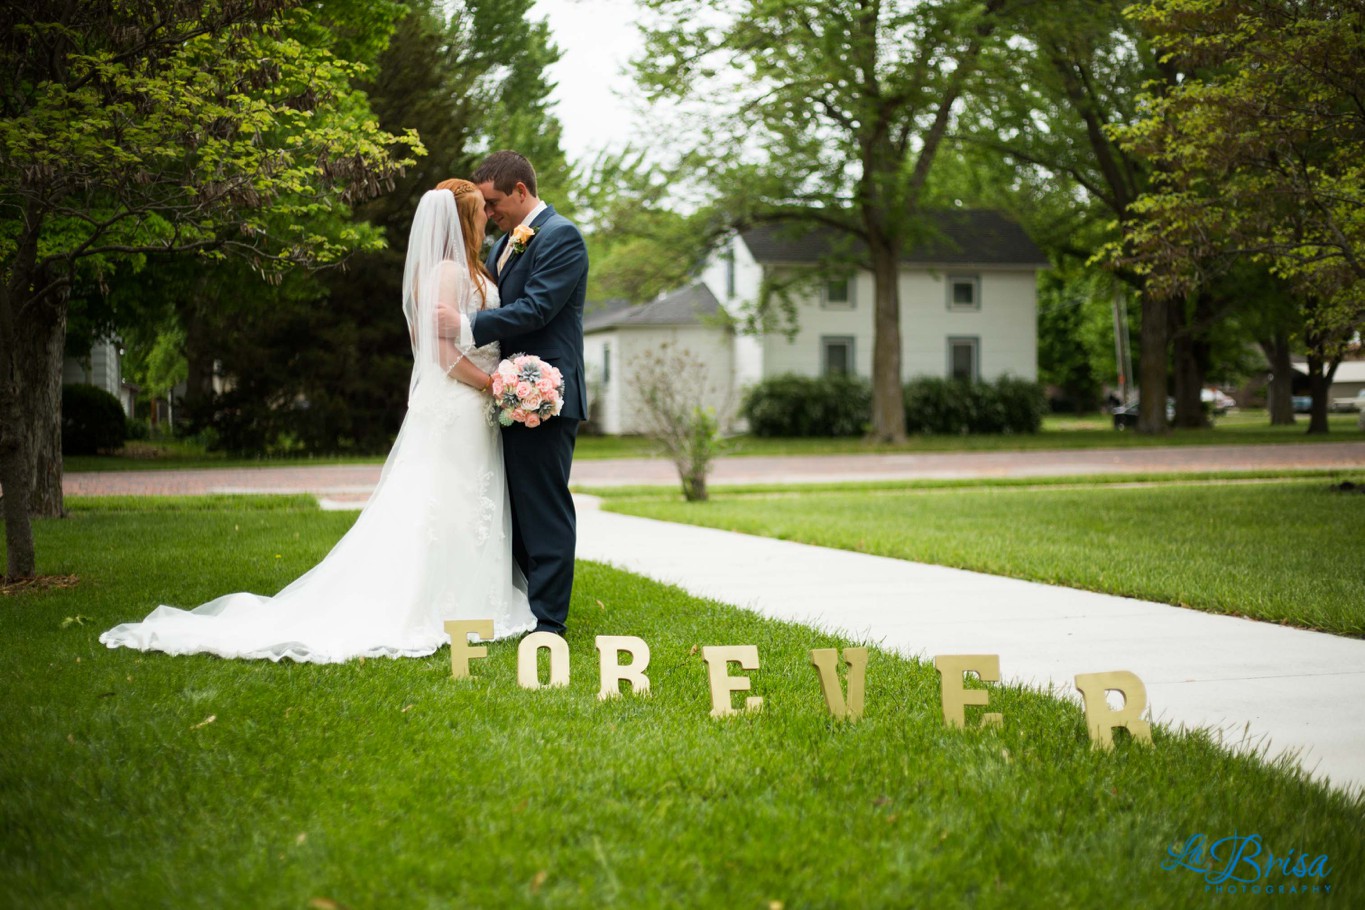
(486, 358)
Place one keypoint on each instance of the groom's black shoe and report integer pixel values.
(541, 627)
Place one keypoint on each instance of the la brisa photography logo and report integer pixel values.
(1243, 864)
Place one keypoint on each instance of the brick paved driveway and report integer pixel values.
(353, 483)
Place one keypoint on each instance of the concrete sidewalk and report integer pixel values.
(1258, 684)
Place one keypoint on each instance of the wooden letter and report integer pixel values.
(609, 648)
(529, 649)
(955, 696)
(722, 683)
(460, 649)
(1102, 719)
(826, 662)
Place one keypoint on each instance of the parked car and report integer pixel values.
(1303, 404)
(1217, 400)
(1126, 416)
(1354, 402)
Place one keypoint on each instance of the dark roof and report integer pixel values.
(685, 307)
(603, 312)
(961, 236)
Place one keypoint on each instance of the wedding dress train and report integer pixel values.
(432, 544)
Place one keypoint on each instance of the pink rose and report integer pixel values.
(532, 421)
(497, 386)
(545, 385)
(519, 415)
(531, 402)
(523, 389)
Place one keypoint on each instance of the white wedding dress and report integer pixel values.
(432, 544)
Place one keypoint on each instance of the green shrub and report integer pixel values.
(1022, 404)
(952, 407)
(137, 428)
(92, 420)
(939, 406)
(808, 406)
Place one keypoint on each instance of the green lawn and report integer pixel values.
(1283, 551)
(1087, 432)
(141, 780)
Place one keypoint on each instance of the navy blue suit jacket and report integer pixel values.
(542, 291)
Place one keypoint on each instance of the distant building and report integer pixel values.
(968, 308)
(102, 368)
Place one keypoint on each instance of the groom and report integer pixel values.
(542, 280)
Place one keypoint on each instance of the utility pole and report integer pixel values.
(1123, 353)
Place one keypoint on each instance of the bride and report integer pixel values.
(434, 541)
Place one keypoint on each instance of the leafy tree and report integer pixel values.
(468, 77)
(640, 245)
(832, 115)
(317, 362)
(1076, 337)
(1262, 157)
(1075, 301)
(131, 128)
(1075, 70)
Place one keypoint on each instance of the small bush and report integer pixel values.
(671, 392)
(954, 408)
(137, 428)
(808, 406)
(92, 420)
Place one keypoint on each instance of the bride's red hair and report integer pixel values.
(469, 202)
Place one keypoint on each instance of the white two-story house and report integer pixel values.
(968, 309)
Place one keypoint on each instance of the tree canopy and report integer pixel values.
(222, 127)
(827, 113)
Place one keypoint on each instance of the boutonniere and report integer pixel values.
(521, 235)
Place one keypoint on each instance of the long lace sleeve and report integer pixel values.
(459, 298)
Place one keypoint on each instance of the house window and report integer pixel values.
(838, 295)
(964, 360)
(964, 292)
(836, 355)
(606, 364)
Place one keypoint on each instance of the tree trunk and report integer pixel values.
(1188, 379)
(888, 396)
(1190, 355)
(1319, 384)
(41, 345)
(200, 350)
(1152, 365)
(1280, 392)
(15, 480)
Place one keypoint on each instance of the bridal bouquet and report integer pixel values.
(526, 390)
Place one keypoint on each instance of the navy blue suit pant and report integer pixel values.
(544, 525)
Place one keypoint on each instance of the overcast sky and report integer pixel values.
(597, 38)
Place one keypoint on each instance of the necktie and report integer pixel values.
(506, 255)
